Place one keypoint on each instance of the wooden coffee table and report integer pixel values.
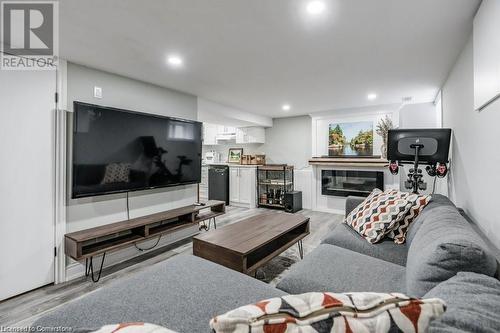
(250, 243)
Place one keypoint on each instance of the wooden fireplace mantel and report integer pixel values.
(349, 162)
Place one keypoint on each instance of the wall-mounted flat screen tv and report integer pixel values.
(118, 150)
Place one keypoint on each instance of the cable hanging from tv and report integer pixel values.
(149, 248)
(135, 244)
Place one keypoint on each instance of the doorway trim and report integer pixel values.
(60, 173)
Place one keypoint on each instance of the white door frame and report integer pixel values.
(60, 173)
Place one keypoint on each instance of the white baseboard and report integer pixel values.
(74, 270)
(329, 210)
(241, 205)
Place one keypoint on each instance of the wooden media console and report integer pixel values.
(85, 244)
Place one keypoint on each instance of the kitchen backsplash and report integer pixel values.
(223, 149)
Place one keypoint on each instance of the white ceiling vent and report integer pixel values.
(407, 99)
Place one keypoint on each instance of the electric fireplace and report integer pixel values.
(349, 182)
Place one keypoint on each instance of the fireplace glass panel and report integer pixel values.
(346, 182)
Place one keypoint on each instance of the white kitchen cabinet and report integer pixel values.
(247, 185)
(226, 130)
(234, 185)
(203, 188)
(241, 136)
(225, 133)
(209, 134)
(242, 186)
(251, 135)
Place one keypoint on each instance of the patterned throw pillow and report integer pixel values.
(116, 173)
(418, 203)
(378, 214)
(329, 312)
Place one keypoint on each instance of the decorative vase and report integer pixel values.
(383, 150)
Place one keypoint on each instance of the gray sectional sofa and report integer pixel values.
(443, 257)
(440, 243)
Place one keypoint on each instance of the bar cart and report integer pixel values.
(273, 181)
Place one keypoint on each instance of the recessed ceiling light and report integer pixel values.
(316, 7)
(174, 60)
(372, 97)
(286, 107)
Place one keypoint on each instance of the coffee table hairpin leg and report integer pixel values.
(301, 249)
(261, 276)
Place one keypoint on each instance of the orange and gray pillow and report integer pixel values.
(418, 203)
(388, 213)
(331, 312)
(116, 173)
(379, 213)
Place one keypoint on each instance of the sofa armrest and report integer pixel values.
(352, 202)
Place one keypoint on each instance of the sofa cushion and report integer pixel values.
(344, 236)
(444, 245)
(352, 202)
(378, 214)
(331, 312)
(330, 268)
(437, 202)
(473, 304)
(182, 293)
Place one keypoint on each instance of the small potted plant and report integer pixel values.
(383, 127)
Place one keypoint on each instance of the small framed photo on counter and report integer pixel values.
(234, 155)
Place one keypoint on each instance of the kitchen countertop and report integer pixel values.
(231, 165)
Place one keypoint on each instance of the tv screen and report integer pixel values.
(119, 150)
(435, 145)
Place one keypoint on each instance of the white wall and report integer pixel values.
(121, 92)
(129, 94)
(474, 179)
(486, 53)
(289, 142)
(420, 115)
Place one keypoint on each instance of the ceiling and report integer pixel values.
(256, 55)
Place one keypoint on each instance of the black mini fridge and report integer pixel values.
(218, 183)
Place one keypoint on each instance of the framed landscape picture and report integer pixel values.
(234, 155)
(350, 139)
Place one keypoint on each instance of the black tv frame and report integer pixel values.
(441, 135)
(73, 174)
